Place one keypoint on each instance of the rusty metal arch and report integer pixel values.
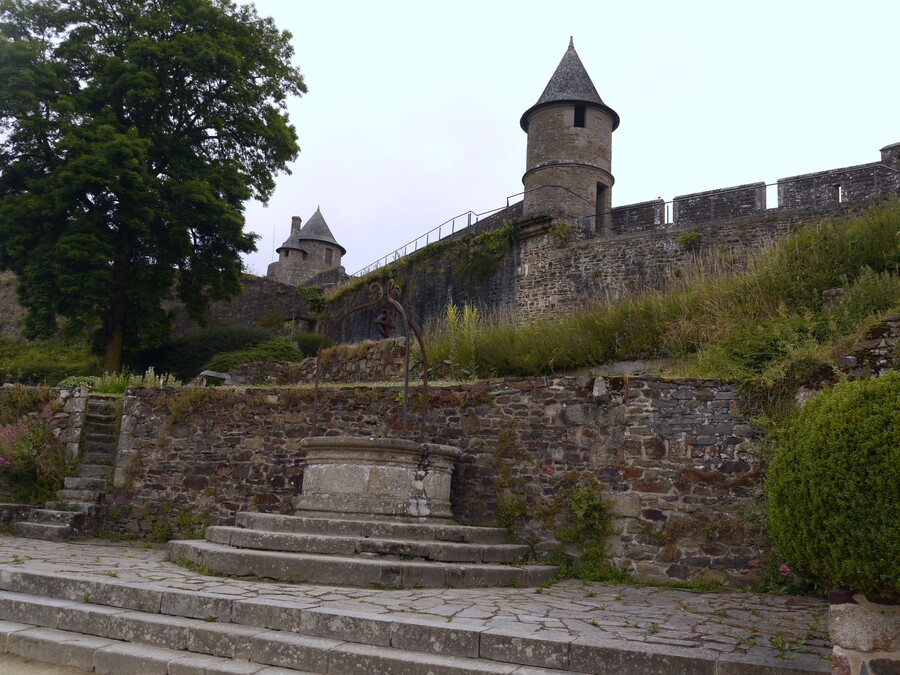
(386, 299)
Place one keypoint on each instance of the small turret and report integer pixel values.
(309, 250)
(569, 149)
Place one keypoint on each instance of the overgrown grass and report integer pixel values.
(718, 321)
(45, 362)
(117, 383)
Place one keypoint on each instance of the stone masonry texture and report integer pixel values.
(674, 458)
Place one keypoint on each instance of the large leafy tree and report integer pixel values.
(131, 134)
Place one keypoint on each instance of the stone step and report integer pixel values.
(100, 442)
(84, 507)
(94, 457)
(119, 640)
(70, 518)
(95, 471)
(322, 544)
(78, 495)
(83, 483)
(371, 528)
(353, 571)
(47, 531)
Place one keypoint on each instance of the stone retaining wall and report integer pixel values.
(674, 457)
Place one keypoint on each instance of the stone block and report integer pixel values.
(276, 648)
(368, 628)
(170, 632)
(601, 656)
(267, 613)
(433, 638)
(544, 652)
(120, 658)
(196, 605)
(33, 610)
(87, 619)
(865, 626)
(624, 505)
(57, 647)
(221, 640)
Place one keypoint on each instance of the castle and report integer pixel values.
(572, 247)
(309, 250)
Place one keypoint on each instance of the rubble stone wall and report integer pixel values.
(674, 458)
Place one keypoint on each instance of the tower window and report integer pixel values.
(580, 112)
(328, 255)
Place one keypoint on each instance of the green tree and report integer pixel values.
(131, 134)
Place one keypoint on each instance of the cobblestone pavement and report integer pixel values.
(764, 627)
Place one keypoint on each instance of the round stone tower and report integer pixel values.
(308, 250)
(569, 150)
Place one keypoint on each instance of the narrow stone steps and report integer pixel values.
(85, 483)
(66, 495)
(353, 571)
(95, 471)
(108, 639)
(95, 457)
(324, 544)
(371, 528)
(88, 508)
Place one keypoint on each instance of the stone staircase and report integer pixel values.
(115, 627)
(355, 552)
(71, 514)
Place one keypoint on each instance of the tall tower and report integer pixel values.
(569, 154)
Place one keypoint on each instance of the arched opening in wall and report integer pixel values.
(329, 256)
(580, 114)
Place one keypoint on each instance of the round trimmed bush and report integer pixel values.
(834, 487)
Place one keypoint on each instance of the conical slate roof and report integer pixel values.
(316, 229)
(569, 84)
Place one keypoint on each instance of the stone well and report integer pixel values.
(383, 478)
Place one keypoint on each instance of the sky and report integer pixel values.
(412, 114)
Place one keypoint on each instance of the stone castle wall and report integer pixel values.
(675, 458)
(561, 267)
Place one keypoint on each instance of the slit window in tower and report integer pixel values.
(328, 256)
(580, 112)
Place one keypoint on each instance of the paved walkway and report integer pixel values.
(781, 630)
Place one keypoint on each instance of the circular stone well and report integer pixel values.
(358, 477)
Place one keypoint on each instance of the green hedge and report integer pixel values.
(273, 350)
(834, 487)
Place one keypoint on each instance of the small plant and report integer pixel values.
(560, 229)
(210, 618)
(36, 462)
(654, 629)
(689, 239)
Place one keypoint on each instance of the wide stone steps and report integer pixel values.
(114, 638)
(371, 528)
(352, 571)
(322, 544)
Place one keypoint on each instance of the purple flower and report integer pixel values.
(784, 569)
(550, 470)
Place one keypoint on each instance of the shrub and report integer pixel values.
(35, 461)
(309, 343)
(834, 487)
(44, 362)
(272, 350)
(186, 357)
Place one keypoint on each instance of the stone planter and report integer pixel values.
(382, 478)
(865, 633)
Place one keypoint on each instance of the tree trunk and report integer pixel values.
(115, 328)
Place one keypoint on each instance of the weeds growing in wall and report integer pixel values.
(765, 326)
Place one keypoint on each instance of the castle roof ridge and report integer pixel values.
(570, 83)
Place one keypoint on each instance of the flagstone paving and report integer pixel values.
(765, 628)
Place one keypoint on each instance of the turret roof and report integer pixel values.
(569, 84)
(315, 229)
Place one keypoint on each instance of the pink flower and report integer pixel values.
(550, 471)
(784, 569)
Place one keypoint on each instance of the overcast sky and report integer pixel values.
(412, 115)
